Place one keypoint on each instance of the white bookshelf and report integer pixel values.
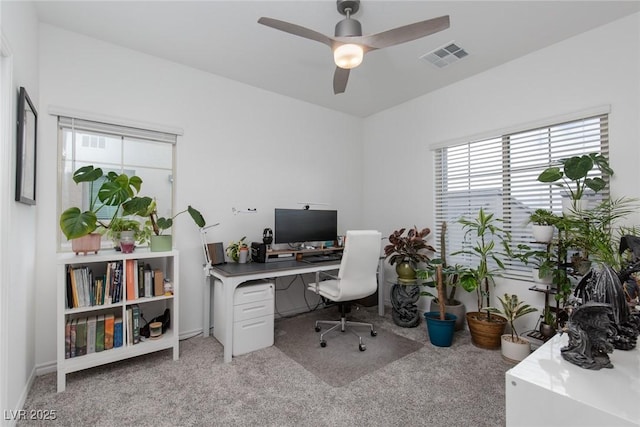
(149, 306)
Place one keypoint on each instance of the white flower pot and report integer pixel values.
(545, 281)
(542, 233)
(514, 352)
(571, 207)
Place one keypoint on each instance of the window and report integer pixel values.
(147, 154)
(500, 174)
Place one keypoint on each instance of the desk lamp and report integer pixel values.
(207, 256)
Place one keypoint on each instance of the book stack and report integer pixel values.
(142, 280)
(85, 290)
(93, 334)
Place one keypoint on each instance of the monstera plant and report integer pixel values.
(573, 173)
(116, 190)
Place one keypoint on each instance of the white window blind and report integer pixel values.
(500, 174)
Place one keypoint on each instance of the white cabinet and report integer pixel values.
(96, 304)
(546, 390)
(253, 313)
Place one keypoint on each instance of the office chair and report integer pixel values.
(356, 279)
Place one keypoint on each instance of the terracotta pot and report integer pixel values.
(86, 244)
(485, 334)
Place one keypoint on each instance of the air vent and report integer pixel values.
(445, 55)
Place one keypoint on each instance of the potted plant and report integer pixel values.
(235, 250)
(547, 325)
(543, 225)
(484, 232)
(408, 251)
(541, 259)
(159, 242)
(514, 348)
(450, 275)
(440, 324)
(572, 174)
(115, 190)
(124, 228)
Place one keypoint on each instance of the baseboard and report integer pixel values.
(11, 417)
(46, 368)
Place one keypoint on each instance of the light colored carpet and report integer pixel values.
(457, 386)
(341, 361)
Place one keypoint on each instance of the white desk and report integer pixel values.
(546, 390)
(232, 275)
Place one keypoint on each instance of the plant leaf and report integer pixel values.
(87, 174)
(75, 223)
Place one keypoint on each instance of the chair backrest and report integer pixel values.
(359, 264)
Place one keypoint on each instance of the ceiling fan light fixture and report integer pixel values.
(348, 56)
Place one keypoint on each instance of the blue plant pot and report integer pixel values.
(440, 331)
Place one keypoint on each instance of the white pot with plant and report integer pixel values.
(238, 251)
(543, 225)
(514, 348)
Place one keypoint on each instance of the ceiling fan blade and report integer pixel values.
(340, 78)
(296, 30)
(405, 33)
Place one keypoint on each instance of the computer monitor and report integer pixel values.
(305, 225)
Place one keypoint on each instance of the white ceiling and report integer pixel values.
(223, 38)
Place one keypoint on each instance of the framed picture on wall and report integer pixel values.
(26, 150)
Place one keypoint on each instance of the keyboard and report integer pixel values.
(322, 258)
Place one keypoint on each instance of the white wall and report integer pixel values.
(242, 147)
(596, 68)
(18, 225)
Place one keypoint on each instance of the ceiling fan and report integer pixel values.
(349, 45)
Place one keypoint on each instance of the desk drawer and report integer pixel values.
(252, 334)
(253, 291)
(252, 310)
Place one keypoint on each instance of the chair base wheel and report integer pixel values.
(362, 347)
(317, 328)
(323, 343)
(374, 333)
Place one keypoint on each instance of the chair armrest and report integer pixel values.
(325, 274)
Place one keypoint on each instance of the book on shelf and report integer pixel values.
(117, 332)
(72, 338)
(67, 339)
(108, 277)
(74, 287)
(117, 285)
(100, 333)
(129, 326)
(91, 334)
(69, 289)
(158, 282)
(136, 323)
(81, 337)
(132, 289)
(108, 331)
(140, 277)
(148, 279)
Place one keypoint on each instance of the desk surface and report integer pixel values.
(235, 269)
